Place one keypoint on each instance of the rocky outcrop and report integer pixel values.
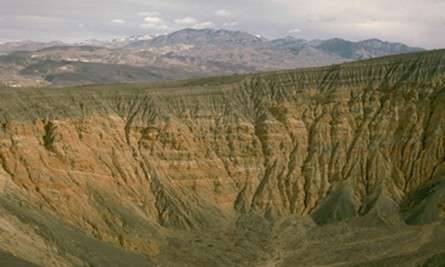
(126, 166)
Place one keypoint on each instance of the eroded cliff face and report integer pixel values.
(125, 170)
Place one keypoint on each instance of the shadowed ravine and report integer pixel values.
(333, 166)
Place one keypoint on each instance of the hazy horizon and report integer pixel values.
(409, 22)
(112, 38)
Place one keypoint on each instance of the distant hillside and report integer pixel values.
(183, 54)
(26, 46)
(60, 73)
(201, 37)
(364, 49)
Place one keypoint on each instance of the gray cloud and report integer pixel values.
(231, 24)
(118, 21)
(414, 22)
(223, 13)
(154, 22)
(186, 21)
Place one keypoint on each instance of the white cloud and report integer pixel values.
(223, 13)
(149, 14)
(231, 24)
(154, 23)
(187, 21)
(118, 21)
(203, 25)
(193, 23)
(295, 30)
(154, 20)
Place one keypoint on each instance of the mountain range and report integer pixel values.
(183, 54)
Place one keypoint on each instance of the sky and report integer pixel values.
(414, 22)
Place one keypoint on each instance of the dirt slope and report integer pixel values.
(341, 165)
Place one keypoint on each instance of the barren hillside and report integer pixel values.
(340, 165)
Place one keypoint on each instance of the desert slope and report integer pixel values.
(338, 165)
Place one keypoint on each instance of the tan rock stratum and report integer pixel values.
(333, 166)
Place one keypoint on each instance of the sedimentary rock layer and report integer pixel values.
(120, 168)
